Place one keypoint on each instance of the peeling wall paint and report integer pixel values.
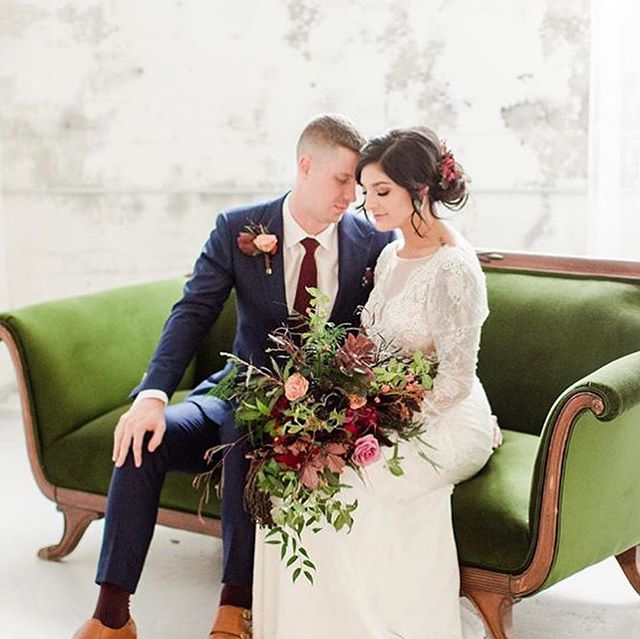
(16, 19)
(555, 127)
(125, 127)
(91, 24)
(302, 15)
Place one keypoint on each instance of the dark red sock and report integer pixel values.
(233, 595)
(112, 608)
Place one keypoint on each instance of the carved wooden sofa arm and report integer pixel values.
(76, 361)
(582, 502)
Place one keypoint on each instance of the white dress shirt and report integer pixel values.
(292, 253)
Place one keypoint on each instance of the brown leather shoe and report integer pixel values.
(232, 622)
(94, 629)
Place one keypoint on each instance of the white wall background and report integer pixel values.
(614, 129)
(6, 373)
(125, 126)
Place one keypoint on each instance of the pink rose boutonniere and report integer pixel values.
(256, 240)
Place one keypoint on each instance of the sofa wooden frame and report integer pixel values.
(492, 593)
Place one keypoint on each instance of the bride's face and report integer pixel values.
(388, 202)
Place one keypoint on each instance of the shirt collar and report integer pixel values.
(294, 233)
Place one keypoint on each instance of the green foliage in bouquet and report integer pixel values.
(332, 398)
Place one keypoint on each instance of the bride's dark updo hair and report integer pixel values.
(414, 158)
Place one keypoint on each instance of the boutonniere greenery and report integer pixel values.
(256, 240)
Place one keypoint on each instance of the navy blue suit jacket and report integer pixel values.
(261, 304)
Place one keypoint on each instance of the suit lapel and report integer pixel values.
(273, 285)
(353, 256)
(352, 260)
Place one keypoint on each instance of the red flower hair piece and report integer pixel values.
(449, 171)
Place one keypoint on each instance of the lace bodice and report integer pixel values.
(436, 304)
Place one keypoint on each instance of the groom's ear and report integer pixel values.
(304, 164)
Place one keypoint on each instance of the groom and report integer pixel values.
(318, 245)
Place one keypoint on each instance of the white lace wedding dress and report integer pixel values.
(395, 575)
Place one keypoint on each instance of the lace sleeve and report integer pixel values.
(457, 308)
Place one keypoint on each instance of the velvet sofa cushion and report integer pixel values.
(81, 460)
(83, 355)
(494, 502)
(491, 510)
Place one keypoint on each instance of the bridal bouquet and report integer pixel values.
(332, 399)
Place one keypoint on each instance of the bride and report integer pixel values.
(395, 574)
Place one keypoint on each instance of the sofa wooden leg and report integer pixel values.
(76, 521)
(630, 563)
(496, 611)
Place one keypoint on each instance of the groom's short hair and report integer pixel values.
(330, 129)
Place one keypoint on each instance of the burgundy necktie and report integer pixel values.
(308, 276)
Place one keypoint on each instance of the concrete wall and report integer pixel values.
(125, 126)
(6, 373)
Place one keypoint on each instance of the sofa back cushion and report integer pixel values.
(546, 331)
(83, 355)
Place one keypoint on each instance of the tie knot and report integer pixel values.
(310, 245)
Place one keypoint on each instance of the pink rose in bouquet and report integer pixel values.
(295, 387)
(366, 451)
(357, 401)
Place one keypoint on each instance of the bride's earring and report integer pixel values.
(416, 204)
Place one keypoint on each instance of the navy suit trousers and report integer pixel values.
(134, 494)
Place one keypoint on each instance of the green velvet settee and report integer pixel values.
(560, 360)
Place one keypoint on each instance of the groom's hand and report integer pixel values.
(146, 416)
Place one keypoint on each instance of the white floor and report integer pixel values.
(179, 590)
